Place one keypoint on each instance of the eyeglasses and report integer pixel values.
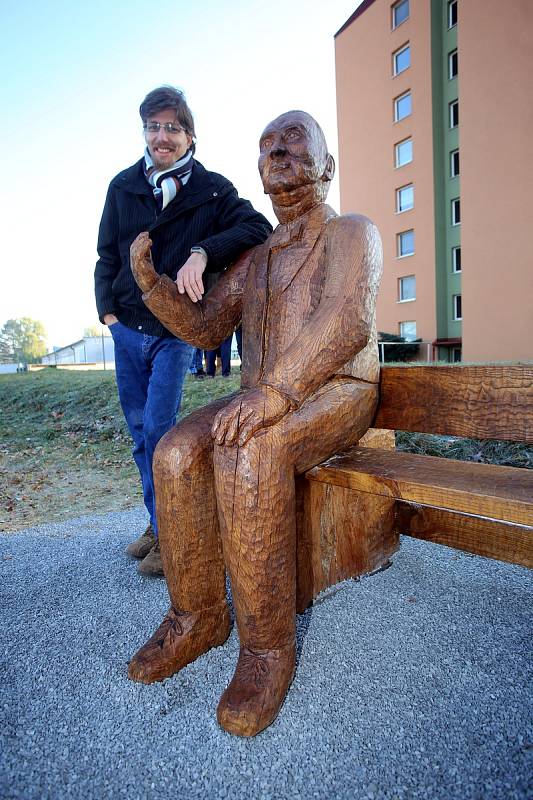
(168, 127)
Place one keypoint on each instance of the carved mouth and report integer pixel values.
(279, 167)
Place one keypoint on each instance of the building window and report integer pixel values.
(456, 211)
(456, 259)
(453, 64)
(400, 12)
(454, 163)
(457, 307)
(405, 198)
(402, 106)
(401, 60)
(406, 288)
(406, 243)
(408, 331)
(454, 113)
(403, 152)
(452, 13)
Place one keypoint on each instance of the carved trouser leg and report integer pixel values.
(187, 512)
(255, 487)
(190, 549)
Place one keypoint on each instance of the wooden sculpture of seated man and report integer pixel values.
(225, 475)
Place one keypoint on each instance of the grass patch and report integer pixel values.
(65, 449)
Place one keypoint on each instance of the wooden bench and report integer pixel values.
(352, 508)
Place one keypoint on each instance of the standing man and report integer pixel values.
(197, 222)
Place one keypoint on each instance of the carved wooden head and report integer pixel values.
(293, 155)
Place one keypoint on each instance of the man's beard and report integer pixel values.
(167, 164)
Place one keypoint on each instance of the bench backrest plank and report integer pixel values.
(480, 402)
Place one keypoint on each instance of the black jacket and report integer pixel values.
(206, 212)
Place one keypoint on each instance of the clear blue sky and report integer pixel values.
(73, 77)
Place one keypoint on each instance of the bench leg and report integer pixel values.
(341, 534)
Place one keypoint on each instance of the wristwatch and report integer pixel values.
(199, 250)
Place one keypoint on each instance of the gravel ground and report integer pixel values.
(412, 683)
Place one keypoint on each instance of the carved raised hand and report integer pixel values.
(141, 262)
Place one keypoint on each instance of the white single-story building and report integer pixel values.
(98, 352)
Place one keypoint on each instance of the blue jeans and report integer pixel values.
(150, 371)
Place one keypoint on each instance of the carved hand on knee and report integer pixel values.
(247, 413)
(141, 262)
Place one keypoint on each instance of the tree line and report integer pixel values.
(22, 340)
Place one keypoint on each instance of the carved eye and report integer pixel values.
(292, 136)
(267, 142)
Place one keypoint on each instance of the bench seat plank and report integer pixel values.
(501, 493)
(473, 534)
(479, 402)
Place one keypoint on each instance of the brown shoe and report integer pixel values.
(180, 639)
(257, 690)
(151, 565)
(142, 546)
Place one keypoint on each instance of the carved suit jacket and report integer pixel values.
(306, 298)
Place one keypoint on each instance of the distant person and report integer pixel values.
(197, 222)
(197, 364)
(224, 352)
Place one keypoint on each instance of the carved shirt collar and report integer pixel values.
(305, 229)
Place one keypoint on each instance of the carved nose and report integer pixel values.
(278, 150)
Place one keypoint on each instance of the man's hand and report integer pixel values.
(109, 319)
(247, 413)
(141, 262)
(189, 278)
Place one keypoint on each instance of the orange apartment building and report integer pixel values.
(435, 119)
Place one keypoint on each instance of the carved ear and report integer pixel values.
(329, 171)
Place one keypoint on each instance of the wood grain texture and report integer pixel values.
(485, 402)
(479, 535)
(378, 438)
(504, 493)
(255, 492)
(340, 534)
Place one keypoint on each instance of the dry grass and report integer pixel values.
(64, 446)
(508, 454)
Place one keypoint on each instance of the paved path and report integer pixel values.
(412, 683)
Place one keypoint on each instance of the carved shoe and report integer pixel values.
(180, 639)
(151, 565)
(142, 546)
(257, 690)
